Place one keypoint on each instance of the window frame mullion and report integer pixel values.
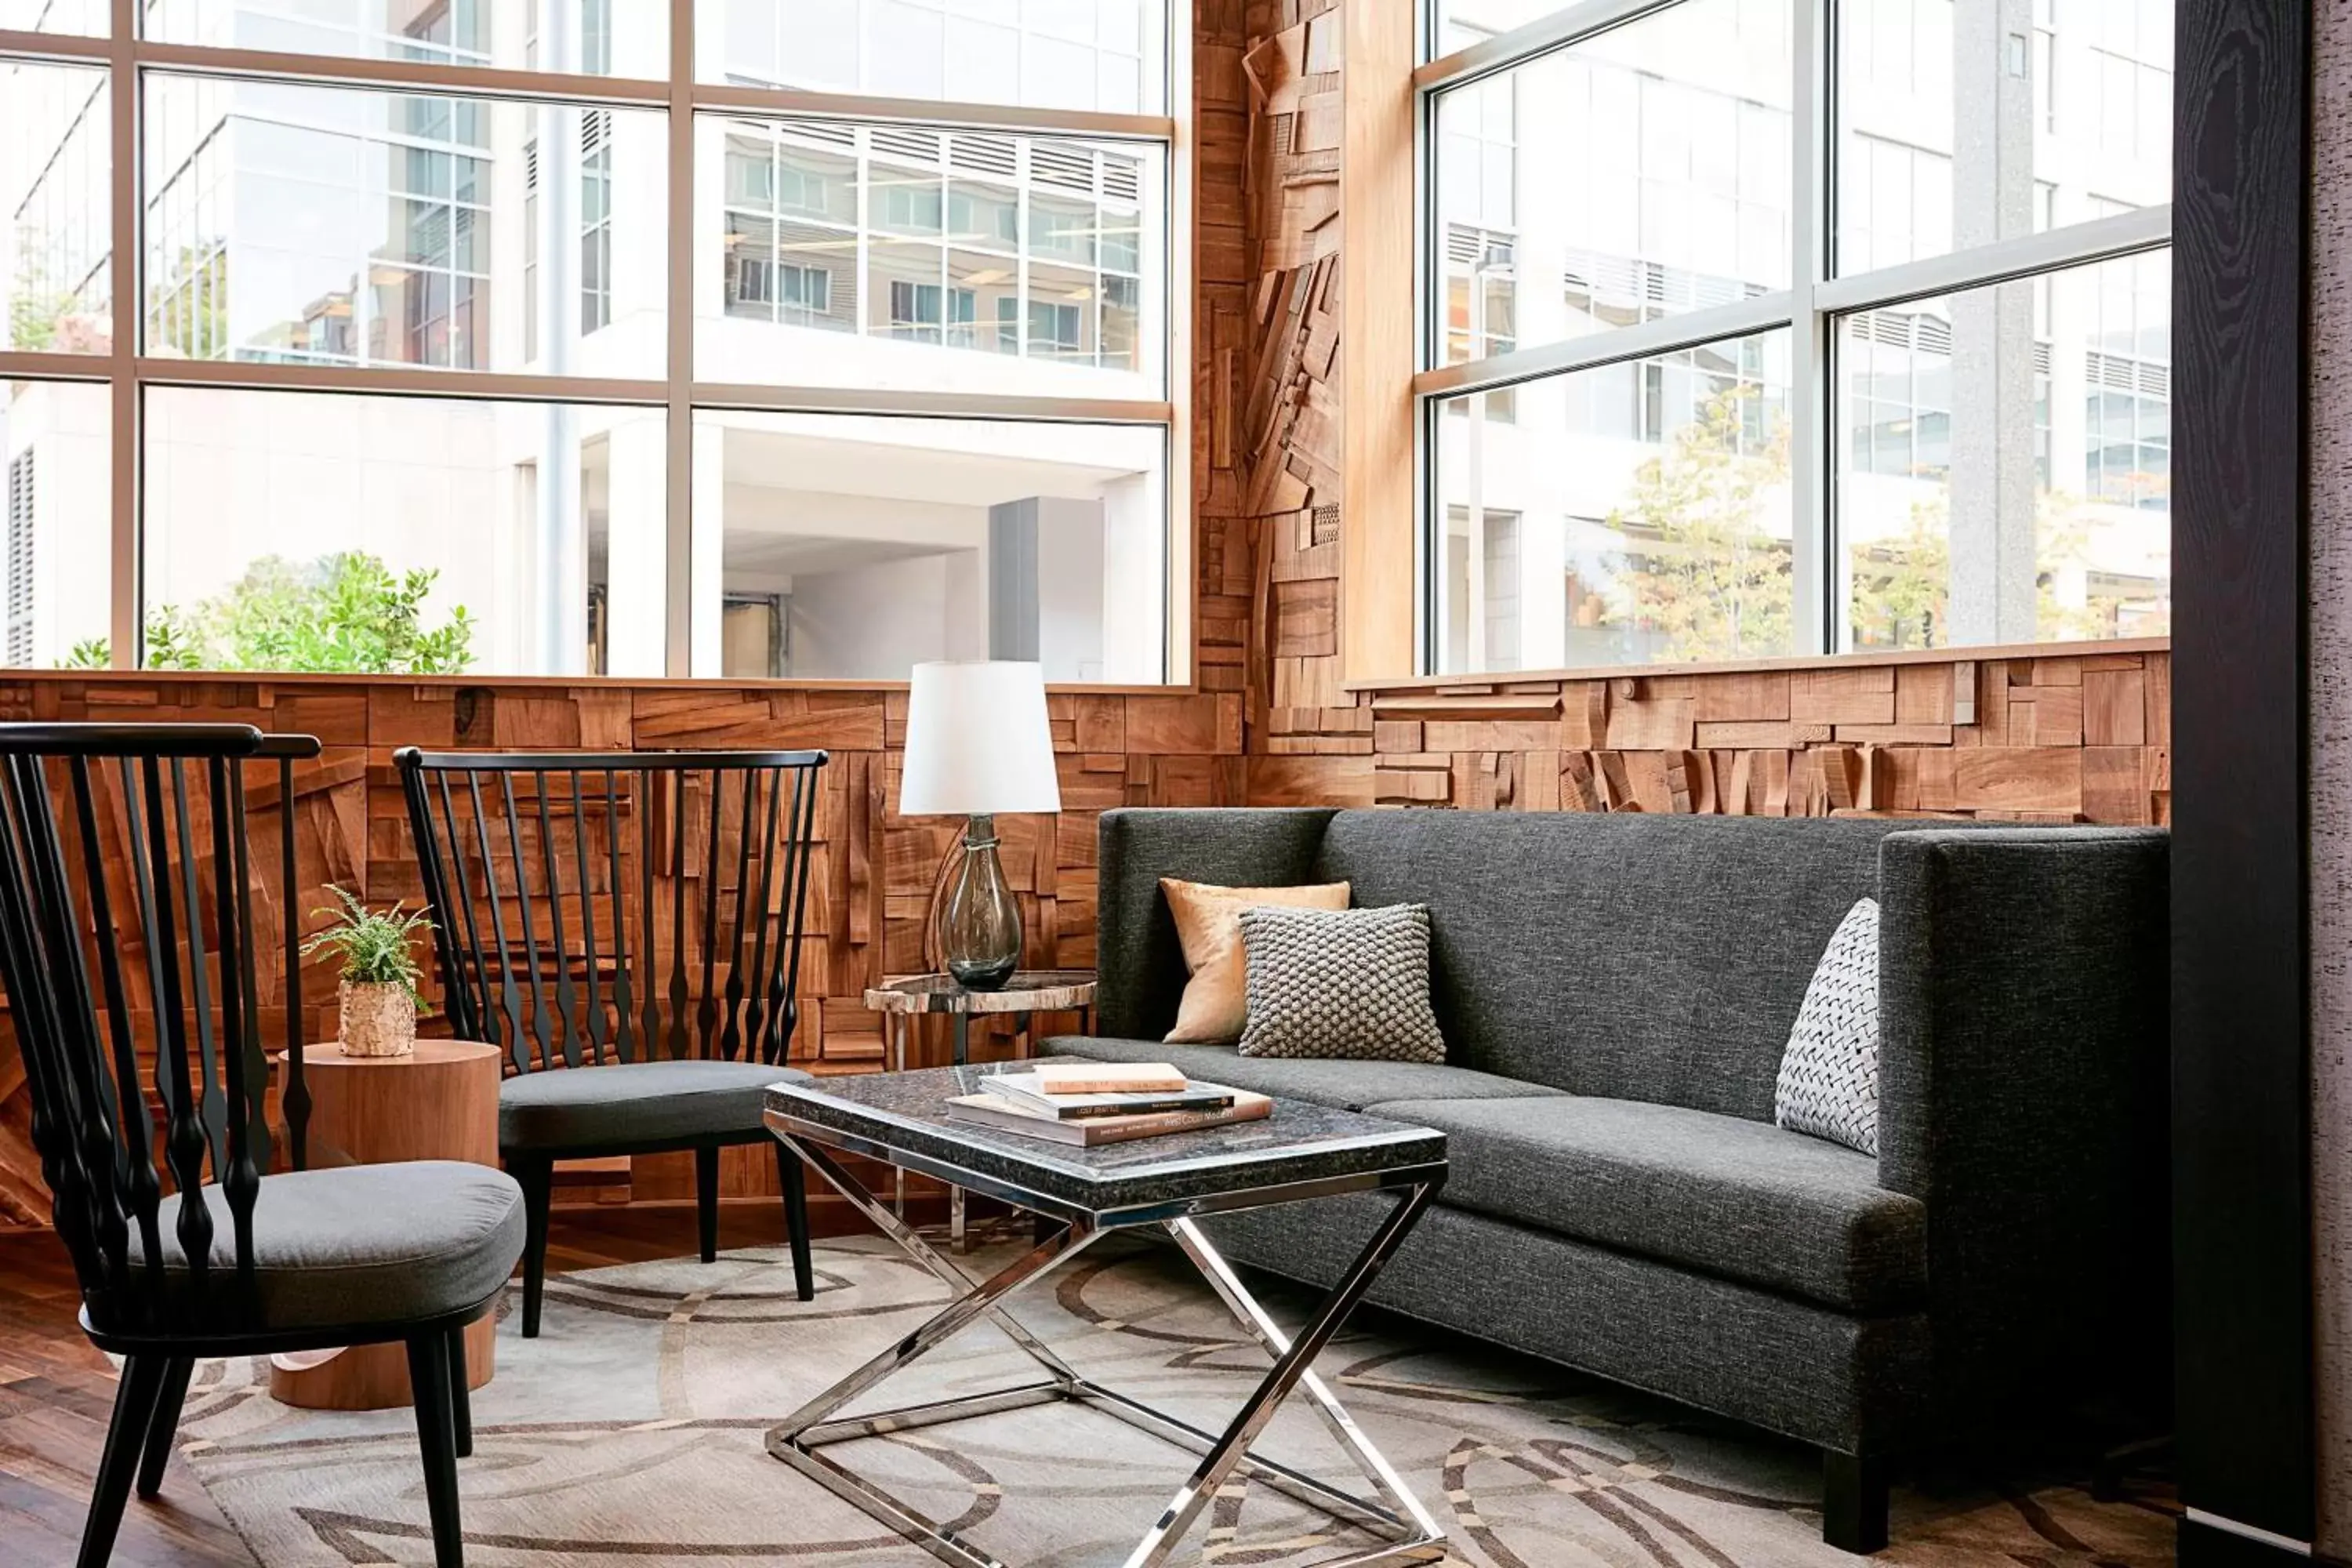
(1819, 605)
(678, 517)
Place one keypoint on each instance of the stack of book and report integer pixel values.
(1087, 1103)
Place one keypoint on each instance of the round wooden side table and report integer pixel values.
(439, 1103)
(899, 998)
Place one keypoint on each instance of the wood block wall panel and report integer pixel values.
(870, 877)
(1268, 316)
(2056, 738)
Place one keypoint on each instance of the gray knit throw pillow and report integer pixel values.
(1829, 1076)
(1340, 982)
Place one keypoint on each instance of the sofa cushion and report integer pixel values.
(1342, 1085)
(1741, 1200)
(1630, 956)
(1346, 983)
(1829, 1079)
(625, 1104)
(1215, 1007)
(1810, 1371)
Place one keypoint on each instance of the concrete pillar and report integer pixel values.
(1074, 603)
(636, 584)
(1543, 589)
(1061, 592)
(1992, 480)
(1013, 580)
(706, 651)
(1134, 581)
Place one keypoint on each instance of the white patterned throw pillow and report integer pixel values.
(1340, 982)
(1829, 1076)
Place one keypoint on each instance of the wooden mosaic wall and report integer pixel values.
(1269, 415)
(2043, 737)
(871, 875)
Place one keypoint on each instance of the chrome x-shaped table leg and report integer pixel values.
(1408, 1533)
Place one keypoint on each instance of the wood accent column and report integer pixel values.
(1377, 312)
(2242, 1064)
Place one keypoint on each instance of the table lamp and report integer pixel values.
(978, 743)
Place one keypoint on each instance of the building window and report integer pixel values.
(1102, 55)
(1988, 465)
(1025, 246)
(595, 222)
(352, 194)
(20, 560)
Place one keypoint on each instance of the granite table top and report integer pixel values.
(902, 1118)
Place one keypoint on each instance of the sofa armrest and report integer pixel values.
(1141, 964)
(2024, 1059)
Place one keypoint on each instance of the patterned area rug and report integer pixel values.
(631, 1432)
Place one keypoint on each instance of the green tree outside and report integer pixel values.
(1709, 576)
(345, 613)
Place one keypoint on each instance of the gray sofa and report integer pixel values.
(1616, 992)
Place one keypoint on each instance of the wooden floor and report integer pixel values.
(56, 1392)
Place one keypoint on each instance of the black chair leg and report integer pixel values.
(706, 1200)
(461, 1398)
(788, 1176)
(537, 1179)
(1854, 1502)
(436, 1440)
(135, 1396)
(163, 1424)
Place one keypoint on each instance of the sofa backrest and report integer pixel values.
(1141, 962)
(1635, 957)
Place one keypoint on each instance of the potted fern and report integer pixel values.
(378, 996)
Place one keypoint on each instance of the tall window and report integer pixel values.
(1759, 327)
(434, 301)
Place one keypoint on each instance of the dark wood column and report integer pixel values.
(2241, 1053)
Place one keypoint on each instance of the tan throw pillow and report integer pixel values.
(1208, 924)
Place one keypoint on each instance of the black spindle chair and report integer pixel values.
(127, 892)
(627, 926)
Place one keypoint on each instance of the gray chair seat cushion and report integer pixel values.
(1738, 1199)
(1342, 1085)
(362, 1244)
(625, 1104)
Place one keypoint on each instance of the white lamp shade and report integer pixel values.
(978, 741)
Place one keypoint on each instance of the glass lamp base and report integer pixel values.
(979, 925)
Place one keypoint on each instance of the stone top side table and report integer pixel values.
(1030, 992)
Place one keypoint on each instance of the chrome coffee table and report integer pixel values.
(1299, 1154)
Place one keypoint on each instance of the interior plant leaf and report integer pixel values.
(374, 946)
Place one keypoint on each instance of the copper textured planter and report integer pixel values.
(379, 1019)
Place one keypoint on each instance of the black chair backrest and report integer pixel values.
(127, 932)
(570, 940)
